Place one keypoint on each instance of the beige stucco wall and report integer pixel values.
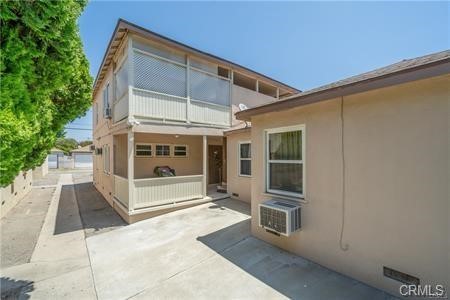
(191, 165)
(102, 136)
(10, 196)
(239, 187)
(248, 97)
(397, 176)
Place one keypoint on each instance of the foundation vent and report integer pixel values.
(400, 276)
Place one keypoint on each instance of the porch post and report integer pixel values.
(130, 170)
(205, 161)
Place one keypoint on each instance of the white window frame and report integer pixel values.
(302, 161)
(170, 150)
(106, 158)
(105, 98)
(96, 113)
(146, 156)
(240, 158)
(180, 156)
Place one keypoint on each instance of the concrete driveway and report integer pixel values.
(207, 252)
(85, 251)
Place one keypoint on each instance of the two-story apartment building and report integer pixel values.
(159, 103)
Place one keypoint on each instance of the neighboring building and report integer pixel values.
(82, 157)
(366, 158)
(53, 158)
(159, 103)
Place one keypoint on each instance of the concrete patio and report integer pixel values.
(84, 251)
(207, 252)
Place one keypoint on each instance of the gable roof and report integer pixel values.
(123, 27)
(401, 72)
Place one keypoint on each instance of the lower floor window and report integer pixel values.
(106, 159)
(162, 150)
(245, 159)
(284, 161)
(180, 150)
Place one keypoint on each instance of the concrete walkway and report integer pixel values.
(59, 267)
(21, 227)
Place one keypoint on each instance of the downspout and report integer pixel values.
(344, 247)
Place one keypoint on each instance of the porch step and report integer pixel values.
(221, 189)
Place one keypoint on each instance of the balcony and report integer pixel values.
(170, 89)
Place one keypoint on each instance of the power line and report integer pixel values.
(74, 128)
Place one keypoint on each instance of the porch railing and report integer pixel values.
(121, 190)
(167, 190)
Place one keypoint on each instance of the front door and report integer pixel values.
(214, 164)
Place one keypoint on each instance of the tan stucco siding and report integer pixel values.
(102, 136)
(397, 201)
(240, 95)
(239, 187)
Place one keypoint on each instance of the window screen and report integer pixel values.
(162, 150)
(180, 150)
(144, 150)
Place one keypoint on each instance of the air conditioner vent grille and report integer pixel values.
(280, 216)
(273, 219)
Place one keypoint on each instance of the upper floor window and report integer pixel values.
(106, 102)
(245, 159)
(121, 80)
(285, 160)
(95, 113)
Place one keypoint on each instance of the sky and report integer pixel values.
(302, 44)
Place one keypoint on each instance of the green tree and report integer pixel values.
(66, 145)
(45, 81)
(84, 143)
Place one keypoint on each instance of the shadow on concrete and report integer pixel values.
(15, 289)
(96, 214)
(67, 219)
(84, 201)
(290, 275)
(238, 206)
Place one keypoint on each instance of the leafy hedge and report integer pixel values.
(45, 81)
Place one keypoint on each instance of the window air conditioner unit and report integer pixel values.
(108, 113)
(280, 216)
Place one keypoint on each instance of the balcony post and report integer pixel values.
(205, 165)
(130, 170)
(130, 77)
(188, 90)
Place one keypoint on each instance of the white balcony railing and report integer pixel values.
(166, 190)
(209, 113)
(159, 106)
(154, 105)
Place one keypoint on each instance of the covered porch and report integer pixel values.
(197, 163)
